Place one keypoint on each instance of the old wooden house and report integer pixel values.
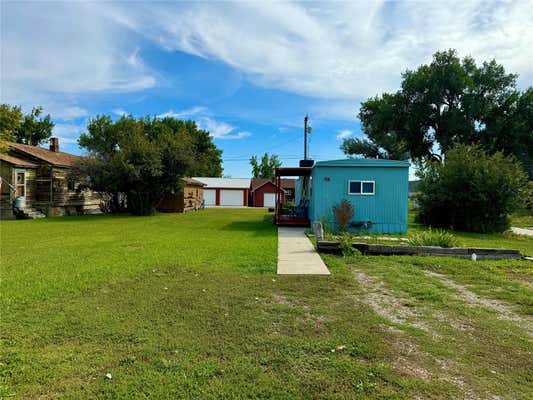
(189, 198)
(35, 183)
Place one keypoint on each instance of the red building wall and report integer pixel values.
(259, 194)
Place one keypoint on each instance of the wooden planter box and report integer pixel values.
(387, 250)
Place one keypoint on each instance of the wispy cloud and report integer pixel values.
(217, 129)
(70, 113)
(336, 53)
(221, 130)
(343, 134)
(120, 112)
(68, 133)
(79, 51)
(184, 113)
(340, 50)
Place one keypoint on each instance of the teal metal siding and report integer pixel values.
(386, 209)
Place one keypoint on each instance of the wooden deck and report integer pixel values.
(285, 220)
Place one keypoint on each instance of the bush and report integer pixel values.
(471, 190)
(343, 213)
(345, 242)
(431, 237)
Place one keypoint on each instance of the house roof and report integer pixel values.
(258, 182)
(59, 158)
(192, 182)
(363, 162)
(17, 162)
(224, 183)
(288, 183)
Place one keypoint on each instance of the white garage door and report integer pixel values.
(231, 198)
(210, 197)
(270, 200)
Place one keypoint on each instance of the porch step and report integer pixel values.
(93, 211)
(31, 213)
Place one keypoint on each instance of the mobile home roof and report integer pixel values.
(363, 162)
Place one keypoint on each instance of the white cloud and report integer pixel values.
(217, 129)
(54, 51)
(220, 129)
(343, 134)
(341, 50)
(67, 133)
(184, 113)
(338, 52)
(70, 113)
(120, 112)
(134, 59)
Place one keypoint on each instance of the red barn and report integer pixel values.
(263, 192)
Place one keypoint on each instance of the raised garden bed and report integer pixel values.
(325, 246)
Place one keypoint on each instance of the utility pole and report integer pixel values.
(307, 130)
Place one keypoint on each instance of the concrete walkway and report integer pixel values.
(296, 254)
(523, 231)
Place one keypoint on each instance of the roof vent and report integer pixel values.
(54, 145)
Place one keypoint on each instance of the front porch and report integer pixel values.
(297, 215)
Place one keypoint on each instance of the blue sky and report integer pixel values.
(247, 71)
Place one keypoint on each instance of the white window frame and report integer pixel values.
(362, 182)
(17, 171)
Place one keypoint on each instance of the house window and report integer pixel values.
(362, 187)
(71, 185)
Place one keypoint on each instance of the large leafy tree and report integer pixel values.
(33, 128)
(266, 167)
(10, 121)
(447, 102)
(145, 158)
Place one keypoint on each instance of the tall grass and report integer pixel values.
(431, 237)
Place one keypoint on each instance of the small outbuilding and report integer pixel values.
(225, 192)
(263, 193)
(189, 198)
(377, 189)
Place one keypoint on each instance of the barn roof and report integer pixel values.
(224, 183)
(259, 182)
(288, 183)
(363, 162)
(59, 158)
(17, 162)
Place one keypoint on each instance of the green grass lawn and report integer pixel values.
(189, 306)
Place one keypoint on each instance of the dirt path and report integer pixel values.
(393, 308)
(409, 358)
(504, 311)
